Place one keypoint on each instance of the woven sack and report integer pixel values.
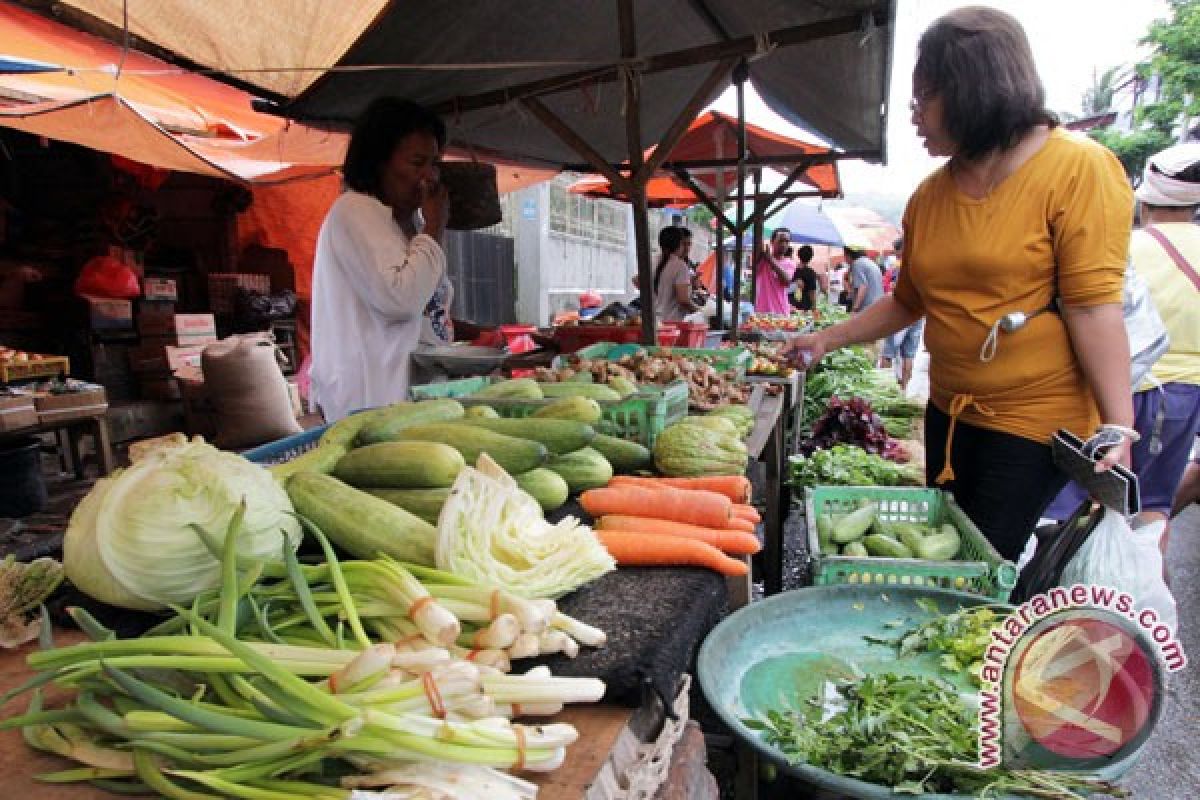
(248, 392)
(474, 198)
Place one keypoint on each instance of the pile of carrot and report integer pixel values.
(699, 522)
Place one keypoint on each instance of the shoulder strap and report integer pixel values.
(1180, 261)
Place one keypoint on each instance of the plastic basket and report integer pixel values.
(287, 448)
(979, 568)
(640, 417)
(45, 367)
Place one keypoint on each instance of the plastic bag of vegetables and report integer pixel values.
(495, 534)
(130, 542)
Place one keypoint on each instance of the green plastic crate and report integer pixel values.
(979, 568)
(723, 358)
(640, 417)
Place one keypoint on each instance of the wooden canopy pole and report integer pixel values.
(740, 74)
(637, 181)
(757, 238)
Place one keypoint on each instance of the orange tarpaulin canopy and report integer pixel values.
(713, 135)
(151, 112)
(158, 114)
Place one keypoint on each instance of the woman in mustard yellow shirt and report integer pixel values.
(1023, 217)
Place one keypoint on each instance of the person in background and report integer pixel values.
(838, 295)
(866, 281)
(904, 344)
(774, 275)
(379, 262)
(1023, 217)
(673, 276)
(1165, 252)
(891, 266)
(805, 295)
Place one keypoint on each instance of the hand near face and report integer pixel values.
(435, 208)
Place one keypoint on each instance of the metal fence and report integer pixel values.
(483, 269)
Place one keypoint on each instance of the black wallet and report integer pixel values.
(1116, 488)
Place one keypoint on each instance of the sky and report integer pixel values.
(1071, 39)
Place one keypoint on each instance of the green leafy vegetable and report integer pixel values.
(23, 587)
(846, 465)
(913, 734)
(961, 638)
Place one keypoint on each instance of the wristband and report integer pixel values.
(1125, 431)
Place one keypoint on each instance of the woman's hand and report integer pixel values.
(1119, 453)
(805, 351)
(435, 208)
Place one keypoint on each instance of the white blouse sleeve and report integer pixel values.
(395, 281)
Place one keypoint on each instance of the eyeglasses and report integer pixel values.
(920, 100)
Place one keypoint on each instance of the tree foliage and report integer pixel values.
(1175, 60)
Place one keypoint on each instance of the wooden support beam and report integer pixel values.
(688, 57)
(785, 160)
(708, 202)
(627, 32)
(573, 140)
(763, 202)
(683, 121)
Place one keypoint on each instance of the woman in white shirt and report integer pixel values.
(379, 261)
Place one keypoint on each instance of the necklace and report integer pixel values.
(988, 174)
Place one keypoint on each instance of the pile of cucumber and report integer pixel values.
(410, 454)
(862, 533)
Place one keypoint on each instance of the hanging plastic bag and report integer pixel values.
(105, 276)
(1126, 559)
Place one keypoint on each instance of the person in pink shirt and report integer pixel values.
(775, 270)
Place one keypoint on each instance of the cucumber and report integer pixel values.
(580, 409)
(516, 389)
(852, 526)
(824, 528)
(598, 392)
(829, 549)
(424, 503)
(384, 426)
(481, 412)
(401, 465)
(910, 538)
(558, 435)
(583, 376)
(878, 544)
(855, 549)
(322, 458)
(361, 524)
(624, 455)
(345, 431)
(582, 470)
(911, 527)
(942, 546)
(512, 454)
(545, 486)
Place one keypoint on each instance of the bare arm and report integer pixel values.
(882, 319)
(1099, 340)
(683, 294)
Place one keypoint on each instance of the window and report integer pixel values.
(595, 220)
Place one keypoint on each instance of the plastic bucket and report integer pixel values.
(668, 335)
(22, 488)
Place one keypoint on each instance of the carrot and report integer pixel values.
(747, 512)
(736, 523)
(734, 543)
(708, 509)
(735, 487)
(638, 550)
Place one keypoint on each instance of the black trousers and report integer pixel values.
(1003, 482)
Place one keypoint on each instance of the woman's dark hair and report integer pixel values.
(805, 253)
(669, 239)
(978, 61)
(385, 122)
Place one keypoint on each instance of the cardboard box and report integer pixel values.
(160, 289)
(184, 327)
(106, 314)
(165, 358)
(17, 411)
(56, 408)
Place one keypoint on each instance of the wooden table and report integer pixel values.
(766, 444)
(793, 402)
(589, 772)
(68, 433)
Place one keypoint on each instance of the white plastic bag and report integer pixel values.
(1126, 559)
